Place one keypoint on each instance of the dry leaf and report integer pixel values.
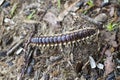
(114, 43)
(52, 19)
(107, 53)
(113, 37)
(98, 2)
(78, 67)
(20, 61)
(110, 38)
(112, 11)
(109, 64)
(101, 17)
(72, 8)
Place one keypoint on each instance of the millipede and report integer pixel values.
(70, 37)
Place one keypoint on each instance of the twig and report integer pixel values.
(91, 20)
(102, 52)
(49, 6)
(15, 47)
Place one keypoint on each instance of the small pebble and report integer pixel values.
(10, 63)
(55, 58)
(100, 66)
(7, 20)
(3, 53)
(32, 62)
(19, 51)
(30, 70)
(92, 62)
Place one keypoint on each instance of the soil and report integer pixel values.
(94, 58)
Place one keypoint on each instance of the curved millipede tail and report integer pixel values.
(63, 38)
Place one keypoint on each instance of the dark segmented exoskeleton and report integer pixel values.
(70, 37)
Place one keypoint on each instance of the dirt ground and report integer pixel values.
(97, 57)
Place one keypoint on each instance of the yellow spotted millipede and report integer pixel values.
(73, 36)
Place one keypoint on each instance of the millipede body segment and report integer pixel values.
(76, 35)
